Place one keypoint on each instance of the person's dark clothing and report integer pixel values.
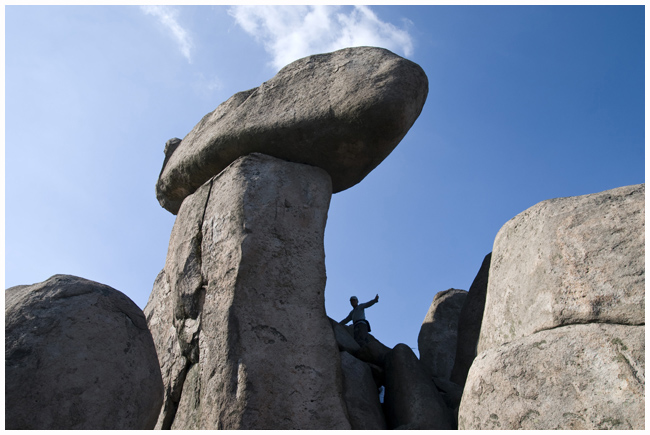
(361, 325)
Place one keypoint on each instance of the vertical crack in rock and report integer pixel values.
(243, 294)
(187, 312)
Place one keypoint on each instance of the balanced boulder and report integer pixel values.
(78, 355)
(343, 112)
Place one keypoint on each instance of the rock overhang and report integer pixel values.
(343, 111)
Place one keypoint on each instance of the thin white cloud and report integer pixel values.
(168, 18)
(291, 32)
(206, 86)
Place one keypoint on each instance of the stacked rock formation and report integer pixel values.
(241, 302)
(237, 314)
(343, 112)
(551, 334)
(562, 341)
(78, 355)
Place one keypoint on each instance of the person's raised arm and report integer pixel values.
(370, 303)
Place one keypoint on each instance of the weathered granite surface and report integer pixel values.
(562, 342)
(343, 112)
(78, 355)
(240, 304)
(575, 377)
(566, 261)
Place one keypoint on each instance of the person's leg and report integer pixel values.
(361, 333)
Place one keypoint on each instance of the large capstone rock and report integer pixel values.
(343, 112)
(574, 377)
(566, 261)
(438, 334)
(469, 323)
(361, 395)
(78, 355)
(239, 308)
(412, 400)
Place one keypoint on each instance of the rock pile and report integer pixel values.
(412, 400)
(78, 355)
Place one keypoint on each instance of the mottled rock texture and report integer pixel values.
(239, 306)
(439, 331)
(412, 400)
(576, 377)
(343, 112)
(562, 342)
(361, 395)
(565, 261)
(78, 355)
(469, 323)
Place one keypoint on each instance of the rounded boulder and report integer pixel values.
(78, 355)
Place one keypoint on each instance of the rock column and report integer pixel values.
(238, 310)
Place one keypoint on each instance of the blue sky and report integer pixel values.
(525, 103)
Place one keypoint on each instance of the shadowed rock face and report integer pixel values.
(361, 395)
(412, 399)
(469, 323)
(78, 355)
(239, 309)
(343, 112)
(437, 339)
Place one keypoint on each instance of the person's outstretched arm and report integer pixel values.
(370, 303)
(347, 319)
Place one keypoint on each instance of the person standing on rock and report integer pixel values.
(358, 317)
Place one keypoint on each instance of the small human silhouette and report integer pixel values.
(358, 317)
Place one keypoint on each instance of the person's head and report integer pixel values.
(354, 301)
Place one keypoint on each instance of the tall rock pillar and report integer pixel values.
(238, 312)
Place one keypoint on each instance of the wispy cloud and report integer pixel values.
(291, 32)
(168, 18)
(205, 86)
